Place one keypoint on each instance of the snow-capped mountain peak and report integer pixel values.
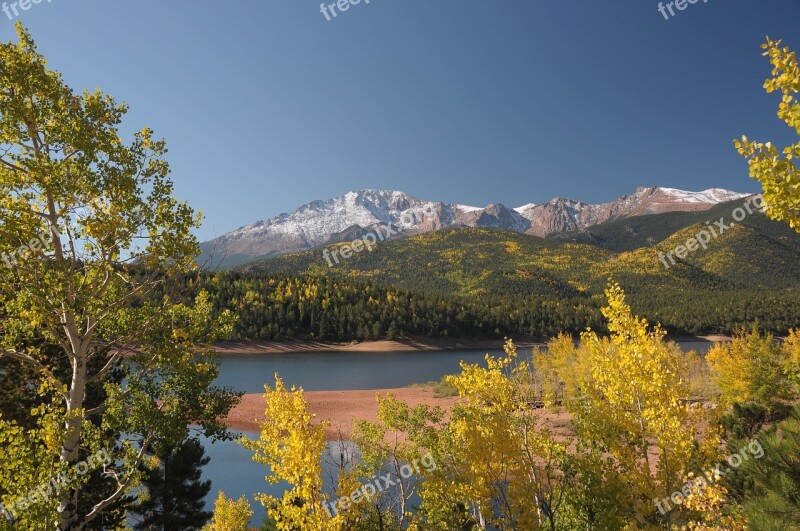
(321, 222)
(710, 196)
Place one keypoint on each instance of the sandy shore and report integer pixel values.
(340, 408)
(243, 348)
(404, 345)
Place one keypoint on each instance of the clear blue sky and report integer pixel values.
(266, 105)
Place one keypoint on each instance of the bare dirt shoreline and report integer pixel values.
(403, 345)
(341, 408)
(244, 348)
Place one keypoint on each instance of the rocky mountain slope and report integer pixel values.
(338, 219)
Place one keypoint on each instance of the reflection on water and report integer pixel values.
(232, 470)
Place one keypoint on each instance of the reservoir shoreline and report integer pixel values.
(246, 347)
(338, 408)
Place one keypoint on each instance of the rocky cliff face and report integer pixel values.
(323, 222)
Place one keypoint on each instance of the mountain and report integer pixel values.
(628, 234)
(325, 222)
(758, 254)
(563, 215)
(491, 282)
(319, 223)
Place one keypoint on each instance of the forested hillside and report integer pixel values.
(466, 261)
(643, 231)
(492, 283)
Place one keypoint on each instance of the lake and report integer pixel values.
(231, 468)
(340, 371)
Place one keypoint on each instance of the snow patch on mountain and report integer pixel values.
(710, 196)
(316, 223)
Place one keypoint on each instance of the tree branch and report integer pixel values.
(121, 488)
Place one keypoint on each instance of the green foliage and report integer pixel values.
(89, 232)
(441, 389)
(744, 421)
(637, 232)
(399, 438)
(775, 506)
(281, 307)
(481, 283)
(174, 497)
(20, 394)
(30, 460)
(776, 168)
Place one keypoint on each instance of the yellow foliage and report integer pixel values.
(501, 467)
(560, 370)
(512, 247)
(291, 445)
(777, 169)
(698, 375)
(709, 502)
(753, 367)
(498, 468)
(792, 347)
(730, 369)
(633, 402)
(230, 515)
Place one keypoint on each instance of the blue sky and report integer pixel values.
(266, 105)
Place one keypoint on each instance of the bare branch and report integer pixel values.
(107, 367)
(22, 357)
(121, 488)
(11, 166)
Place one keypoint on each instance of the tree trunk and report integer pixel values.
(70, 451)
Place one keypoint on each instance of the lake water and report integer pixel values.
(231, 468)
(338, 371)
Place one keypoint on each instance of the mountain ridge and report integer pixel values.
(756, 254)
(321, 222)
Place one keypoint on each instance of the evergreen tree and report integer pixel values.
(91, 229)
(776, 504)
(18, 397)
(175, 493)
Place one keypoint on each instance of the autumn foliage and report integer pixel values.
(637, 440)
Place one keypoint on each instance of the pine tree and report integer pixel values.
(776, 506)
(175, 493)
(84, 276)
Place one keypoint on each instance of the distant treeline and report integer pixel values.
(325, 308)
